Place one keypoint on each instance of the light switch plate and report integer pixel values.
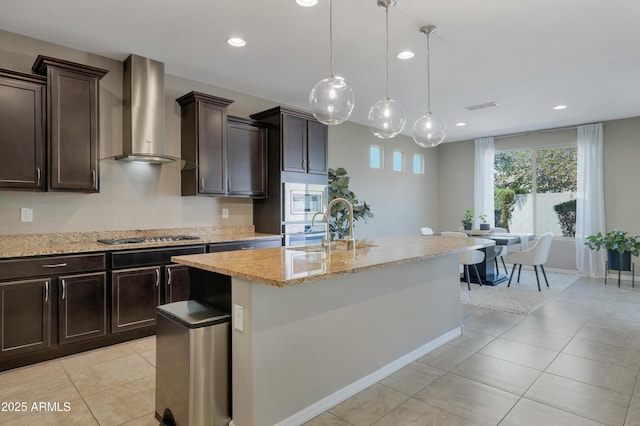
(238, 317)
(225, 213)
(26, 214)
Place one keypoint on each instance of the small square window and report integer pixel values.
(418, 164)
(376, 157)
(398, 161)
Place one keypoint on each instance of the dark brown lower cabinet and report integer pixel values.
(25, 316)
(82, 307)
(176, 286)
(134, 297)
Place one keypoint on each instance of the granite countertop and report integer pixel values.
(288, 266)
(23, 245)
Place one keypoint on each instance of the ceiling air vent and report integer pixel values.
(481, 106)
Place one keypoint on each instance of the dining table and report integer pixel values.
(488, 273)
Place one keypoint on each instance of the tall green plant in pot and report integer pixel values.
(339, 214)
(619, 245)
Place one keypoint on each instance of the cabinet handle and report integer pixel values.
(56, 265)
(38, 174)
(228, 184)
(64, 289)
(157, 277)
(46, 291)
(309, 163)
(303, 163)
(93, 177)
(201, 184)
(168, 276)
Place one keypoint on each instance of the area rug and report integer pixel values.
(520, 298)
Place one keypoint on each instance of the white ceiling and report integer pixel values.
(526, 55)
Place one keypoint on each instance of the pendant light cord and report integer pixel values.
(331, 38)
(428, 77)
(386, 89)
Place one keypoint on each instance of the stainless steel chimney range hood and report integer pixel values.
(143, 112)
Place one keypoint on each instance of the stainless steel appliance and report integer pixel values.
(300, 234)
(300, 202)
(158, 239)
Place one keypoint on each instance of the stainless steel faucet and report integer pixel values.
(325, 218)
(350, 238)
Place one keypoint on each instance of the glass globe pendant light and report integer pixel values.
(331, 99)
(386, 117)
(429, 131)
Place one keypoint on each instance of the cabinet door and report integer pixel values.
(317, 155)
(73, 130)
(246, 160)
(211, 144)
(81, 307)
(134, 297)
(25, 316)
(177, 283)
(294, 144)
(22, 135)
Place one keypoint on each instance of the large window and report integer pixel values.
(535, 190)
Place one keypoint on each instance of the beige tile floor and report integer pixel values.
(575, 361)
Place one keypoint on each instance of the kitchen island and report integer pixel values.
(312, 326)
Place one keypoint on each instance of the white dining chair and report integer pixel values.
(500, 251)
(534, 256)
(467, 257)
(425, 230)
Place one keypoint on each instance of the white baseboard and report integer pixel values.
(363, 383)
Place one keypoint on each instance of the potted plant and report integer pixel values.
(484, 226)
(619, 248)
(339, 214)
(467, 219)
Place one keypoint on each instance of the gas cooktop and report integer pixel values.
(158, 239)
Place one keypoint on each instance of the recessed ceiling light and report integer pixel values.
(406, 54)
(557, 107)
(461, 124)
(307, 3)
(236, 42)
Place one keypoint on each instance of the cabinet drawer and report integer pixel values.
(54, 265)
(244, 245)
(144, 257)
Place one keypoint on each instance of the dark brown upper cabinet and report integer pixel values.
(302, 140)
(226, 156)
(246, 158)
(72, 123)
(22, 138)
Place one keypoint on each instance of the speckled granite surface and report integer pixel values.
(22, 245)
(282, 267)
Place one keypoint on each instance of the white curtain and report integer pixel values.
(590, 202)
(483, 181)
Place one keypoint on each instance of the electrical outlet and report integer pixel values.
(238, 317)
(225, 213)
(26, 214)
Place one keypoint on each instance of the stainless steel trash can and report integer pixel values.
(192, 364)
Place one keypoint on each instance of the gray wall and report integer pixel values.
(135, 196)
(400, 201)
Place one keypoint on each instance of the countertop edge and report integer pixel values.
(188, 260)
